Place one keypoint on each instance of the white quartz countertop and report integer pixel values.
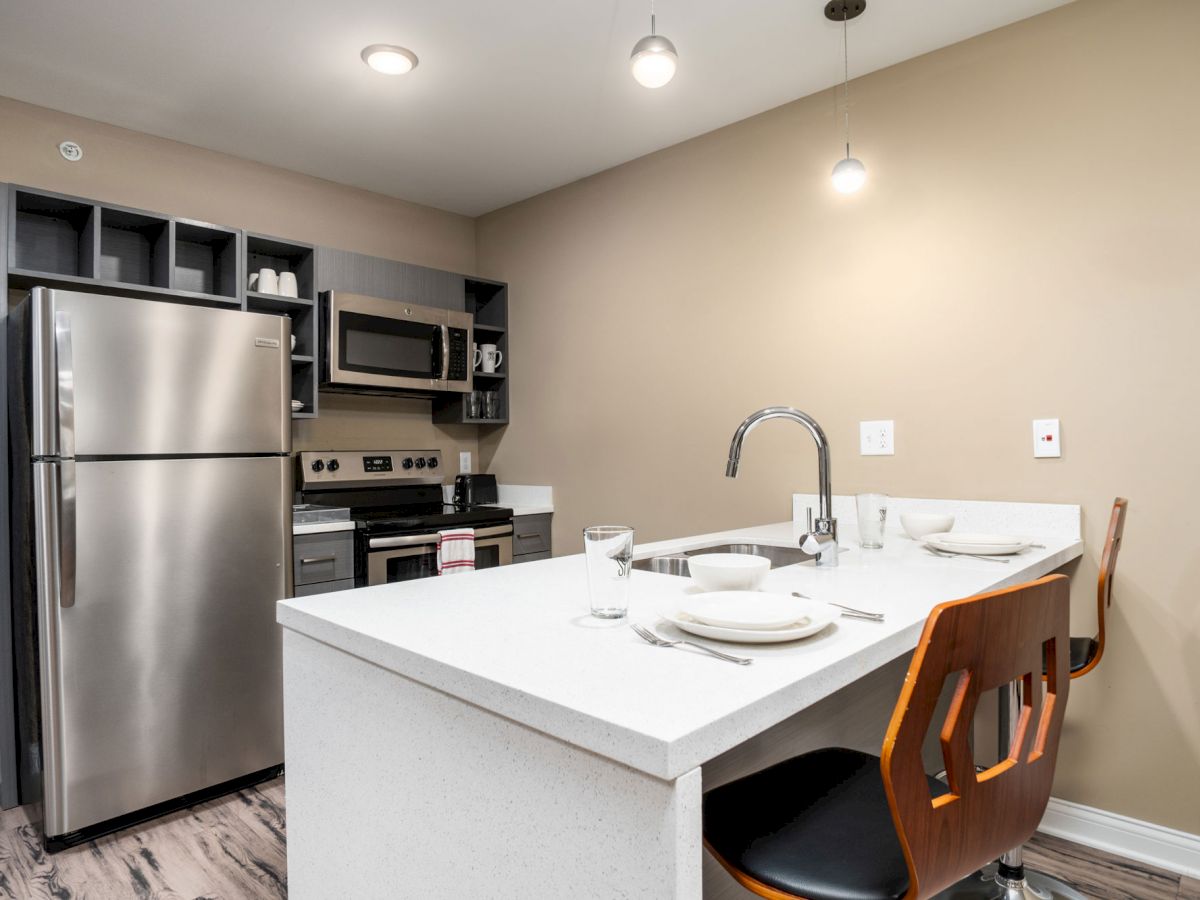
(518, 640)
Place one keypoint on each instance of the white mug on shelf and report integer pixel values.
(477, 356)
(252, 285)
(491, 357)
(287, 285)
(293, 343)
(268, 281)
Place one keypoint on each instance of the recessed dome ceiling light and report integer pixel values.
(389, 59)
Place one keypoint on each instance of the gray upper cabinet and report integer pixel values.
(356, 273)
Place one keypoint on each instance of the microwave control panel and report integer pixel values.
(459, 351)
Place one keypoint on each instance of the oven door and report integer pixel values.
(407, 557)
(374, 344)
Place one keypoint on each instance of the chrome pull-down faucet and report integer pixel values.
(821, 538)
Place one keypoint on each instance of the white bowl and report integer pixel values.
(729, 571)
(917, 525)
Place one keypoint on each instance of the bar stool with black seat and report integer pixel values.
(839, 824)
(1009, 879)
(1086, 651)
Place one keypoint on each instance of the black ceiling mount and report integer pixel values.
(843, 10)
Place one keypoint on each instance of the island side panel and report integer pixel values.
(397, 790)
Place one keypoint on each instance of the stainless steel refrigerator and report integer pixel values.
(159, 537)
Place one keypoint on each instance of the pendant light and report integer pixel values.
(654, 58)
(849, 174)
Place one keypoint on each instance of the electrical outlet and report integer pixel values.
(877, 438)
(464, 462)
(1047, 442)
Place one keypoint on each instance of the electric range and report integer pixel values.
(395, 500)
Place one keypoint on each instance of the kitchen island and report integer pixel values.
(483, 736)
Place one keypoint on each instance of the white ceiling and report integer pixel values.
(510, 98)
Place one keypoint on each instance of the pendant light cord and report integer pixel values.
(651, 18)
(845, 71)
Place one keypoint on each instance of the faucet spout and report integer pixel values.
(822, 538)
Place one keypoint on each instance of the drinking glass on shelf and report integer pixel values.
(473, 401)
(491, 404)
(609, 551)
(872, 517)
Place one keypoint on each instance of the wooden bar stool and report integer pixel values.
(1085, 651)
(838, 824)
(1009, 879)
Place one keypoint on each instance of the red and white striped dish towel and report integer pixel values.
(456, 551)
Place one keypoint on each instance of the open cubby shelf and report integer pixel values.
(52, 234)
(487, 301)
(134, 249)
(206, 259)
(263, 252)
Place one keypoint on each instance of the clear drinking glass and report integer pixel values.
(872, 517)
(473, 402)
(491, 404)
(609, 550)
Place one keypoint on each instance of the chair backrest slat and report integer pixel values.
(985, 642)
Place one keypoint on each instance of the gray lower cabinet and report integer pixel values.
(324, 587)
(531, 537)
(323, 562)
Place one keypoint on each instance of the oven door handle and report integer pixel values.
(409, 540)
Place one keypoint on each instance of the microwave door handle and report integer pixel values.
(445, 353)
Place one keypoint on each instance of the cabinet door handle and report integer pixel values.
(526, 537)
(318, 559)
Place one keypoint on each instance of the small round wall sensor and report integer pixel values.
(70, 151)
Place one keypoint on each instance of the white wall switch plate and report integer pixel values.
(464, 462)
(877, 438)
(1046, 440)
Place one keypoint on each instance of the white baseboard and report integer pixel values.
(1145, 842)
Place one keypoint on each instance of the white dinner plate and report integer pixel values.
(750, 610)
(983, 544)
(819, 616)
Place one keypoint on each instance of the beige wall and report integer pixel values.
(1027, 247)
(133, 169)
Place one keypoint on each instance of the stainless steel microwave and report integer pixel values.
(376, 346)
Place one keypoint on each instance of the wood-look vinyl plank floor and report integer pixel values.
(1100, 875)
(1189, 888)
(231, 848)
(234, 848)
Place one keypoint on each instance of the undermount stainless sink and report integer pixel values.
(677, 563)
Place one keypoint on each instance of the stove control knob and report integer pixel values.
(420, 462)
(407, 463)
(433, 462)
(318, 466)
(334, 465)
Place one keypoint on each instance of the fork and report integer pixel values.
(944, 555)
(651, 638)
(846, 610)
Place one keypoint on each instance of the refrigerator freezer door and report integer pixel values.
(169, 661)
(144, 377)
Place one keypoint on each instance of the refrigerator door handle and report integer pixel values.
(66, 384)
(47, 507)
(66, 533)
